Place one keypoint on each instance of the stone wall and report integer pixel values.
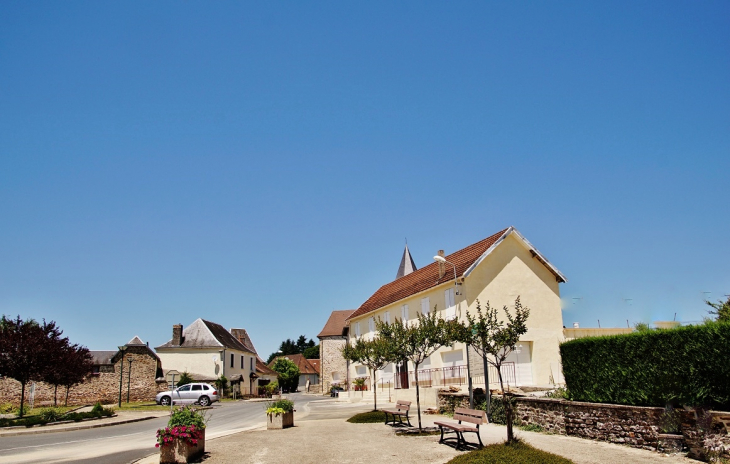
(331, 361)
(102, 387)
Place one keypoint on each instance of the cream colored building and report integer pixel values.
(206, 351)
(497, 270)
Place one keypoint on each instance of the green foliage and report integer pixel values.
(516, 452)
(6, 408)
(98, 408)
(271, 387)
(558, 393)
(286, 405)
(498, 414)
(375, 354)
(185, 379)
(530, 428)
(51, 414)
(642, 327)
(311, 352)
(290, 346)
(721, 310)
(275, 411)
(22, 410)
(369, 417)
(288, 373)
(417, 341)
(221, 383)
(682, 366)
(670, 421)
(187, 416)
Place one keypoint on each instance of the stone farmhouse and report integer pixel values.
(136, 365)
(497, 270)
(332, 339)
(207, 350)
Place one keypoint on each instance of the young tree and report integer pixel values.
(185, 379)
(417, 341)
(374, 354)
(721, 310)
(72, 364)
(25, 350)
(495, 339)
(288, 373)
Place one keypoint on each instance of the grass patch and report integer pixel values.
(369, 417)
(45, 418)
(514, 453)
(530, 428)
(142, 407)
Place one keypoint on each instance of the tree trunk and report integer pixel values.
(486, 384)
(375, 391)
(507, 406)
(22, 397)
(55, 396)
(418, 395)
(66, 404)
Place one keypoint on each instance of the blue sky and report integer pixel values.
(260, 164)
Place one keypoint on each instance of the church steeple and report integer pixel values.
(406, 264)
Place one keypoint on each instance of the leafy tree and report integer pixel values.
(290, 346)
(495, 339)
(288, 373)
(642, 327)
(221, 383)
(373, 353)
(721, 309)
(26, 349)
(312, 352)
(72, 364)
(417, 341)
(185, 379)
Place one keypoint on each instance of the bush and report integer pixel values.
(271, 388)
(682, 366)
(187, 416)
(98, 408)
(285, 405)
(498, 414)
(368, 417)
(6, 408)
(185, 379)
(512, 453)
(51, 414)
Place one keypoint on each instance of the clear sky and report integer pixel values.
(261, 164)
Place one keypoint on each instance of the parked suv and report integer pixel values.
(200, 393)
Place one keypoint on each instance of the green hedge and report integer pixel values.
(686, 366)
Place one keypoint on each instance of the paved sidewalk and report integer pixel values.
(333, 440)
(122, 417)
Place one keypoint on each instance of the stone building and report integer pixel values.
(332, 338)
(140, 378)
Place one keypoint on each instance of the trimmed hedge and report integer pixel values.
(509, 453)
(684, 366)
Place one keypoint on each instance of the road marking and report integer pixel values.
(70, 442)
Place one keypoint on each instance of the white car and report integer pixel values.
(200, 393)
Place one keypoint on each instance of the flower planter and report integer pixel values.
(280, 421)
(670, 443)
(180, 451)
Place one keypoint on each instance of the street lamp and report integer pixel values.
(122, 348)
(441, 259)
(129, 381)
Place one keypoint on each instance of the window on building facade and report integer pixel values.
(425, 305)
(243, 360)
(404, 312)
(371, 324)
(251, 364)
(449, 303)
(357, 329)
(386, 318)
(231, 359)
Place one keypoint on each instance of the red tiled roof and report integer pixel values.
(305, 367)
(426, 277)
(336, 323)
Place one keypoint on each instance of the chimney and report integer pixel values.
(576, 325)
(442, 266)
(177, 335)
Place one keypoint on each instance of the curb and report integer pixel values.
(70, 429)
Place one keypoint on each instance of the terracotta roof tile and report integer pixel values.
(305, 367)
(336, 323)
(426, 277)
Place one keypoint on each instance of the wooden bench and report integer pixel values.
(401, 410)
(473, 416)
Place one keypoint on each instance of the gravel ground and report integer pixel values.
(336, 441)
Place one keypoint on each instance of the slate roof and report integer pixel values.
(336, 325)
(206, 334)
(406, 264)
(102, 357)
(428, 276)
(136, 341)
(263, 369)
(242, 336)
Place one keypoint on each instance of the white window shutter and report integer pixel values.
(387, 317)
(425, 303)
(357, 329)
(449, 300)
(371, 324)
(404, 313)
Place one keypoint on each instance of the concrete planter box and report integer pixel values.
(670, 443)
(280, 421)
(180, 452)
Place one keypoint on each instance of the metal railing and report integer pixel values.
(456, 375)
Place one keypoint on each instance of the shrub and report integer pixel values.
(285, 405)
(670, 421)
(187, 416)
(185, 379)
(98, 408)
(271, 388)
(516, 452)
(682, 366)
(6, 408)
(22, 410)
(51, 414)
(497, 415)
(558, 393)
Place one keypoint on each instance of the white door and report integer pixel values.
(522, 359)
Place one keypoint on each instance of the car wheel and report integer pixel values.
(165, 401)
(204, 401)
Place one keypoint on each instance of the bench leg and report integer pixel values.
(481, 445)
(386, 418)
(408, 418)
(460, 442)
(442, 434)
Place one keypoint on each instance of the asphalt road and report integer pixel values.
(122, 444)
